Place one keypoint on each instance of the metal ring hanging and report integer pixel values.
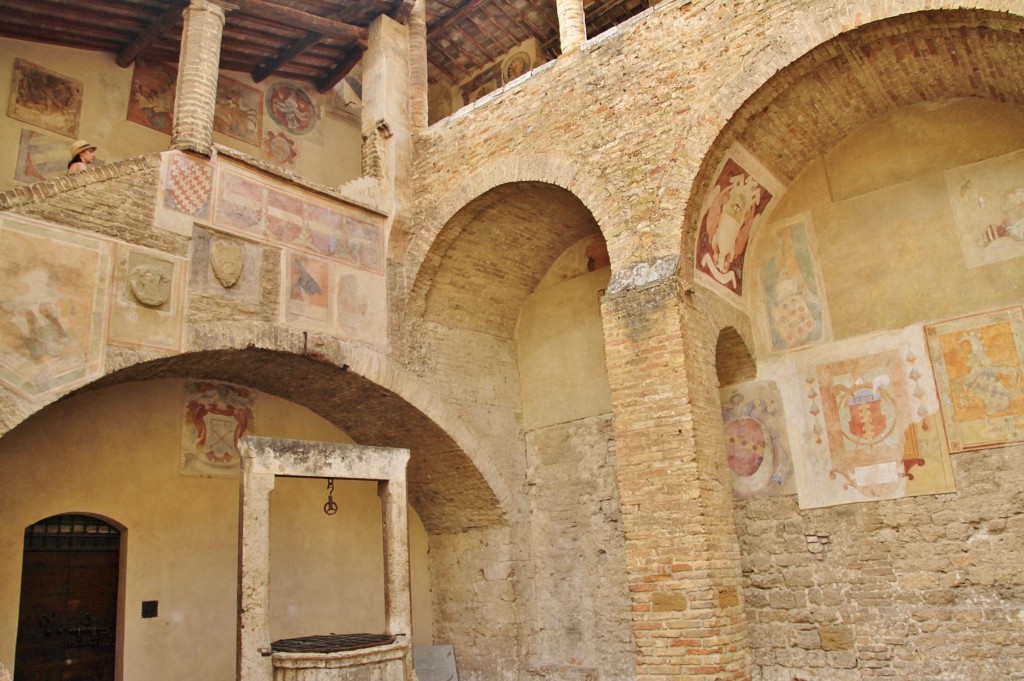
(330, 508)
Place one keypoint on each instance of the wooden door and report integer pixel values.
(68, 615)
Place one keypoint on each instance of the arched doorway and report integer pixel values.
(67, 621)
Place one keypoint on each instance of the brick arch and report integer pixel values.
(440, 222)
(359, 391)
(734, 362)
(821, 78)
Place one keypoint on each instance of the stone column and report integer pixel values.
(198, 66)
(397, 601)
(418, 114)
(255, 487)
(572, 24)
(387, 141)
(682, 554)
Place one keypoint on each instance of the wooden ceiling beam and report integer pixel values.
(521, 20)
(340, 71)
(455, 17)
(488, 58)
(439, 67)
(267, 68)
(156, 29)
(402, 12)
(310, 23)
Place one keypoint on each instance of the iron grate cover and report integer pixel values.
(330, 643)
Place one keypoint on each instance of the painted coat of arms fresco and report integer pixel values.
(877, 445)
(979, 368)
(793, 289)
(734, 206)
(755, 440)
(217, 415)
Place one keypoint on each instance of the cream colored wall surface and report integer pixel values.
(892, 256)
(921, 140)
(115, 453)
(561, 352)
(105, 89)
(329, 154)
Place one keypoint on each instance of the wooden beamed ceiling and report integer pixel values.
(317, 41)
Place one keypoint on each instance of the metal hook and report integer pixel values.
(330, 508)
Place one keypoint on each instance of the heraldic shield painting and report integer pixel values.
(736, 203)
(979, 369)
(879, 446)
(217, 415)
(755, 440)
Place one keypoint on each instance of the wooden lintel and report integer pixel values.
(310, 23)
(168, 18)
(340, 71)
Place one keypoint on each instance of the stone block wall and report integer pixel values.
(924, 587)
(579, 606)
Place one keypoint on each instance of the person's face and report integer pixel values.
(88, 156)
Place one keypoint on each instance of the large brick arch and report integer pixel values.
(353, 387)
(439, 222)
(824, 74)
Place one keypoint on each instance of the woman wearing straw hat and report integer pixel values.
(82, 156)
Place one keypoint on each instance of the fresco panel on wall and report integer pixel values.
(756, 443)
(979, 369)
(736, 204)
(869, 428)
(53, 307)
(988, 205)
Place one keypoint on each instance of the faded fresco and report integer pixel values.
(872, 431)
(979, 368)
(794, 295)
(45, 98)
(756, 444)
(988, 207)
(53, 306)
(148, 300)
(307, 296)
(358, 314)
(322, 228)
(291, 108)
(151, 101)
(281, 149)
(184, 196)
(239, 111)
(41, 157)
(734, 206)
(217, 415)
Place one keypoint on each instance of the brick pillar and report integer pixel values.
(682, 554)
(198, 65)
(572, 24)
(418, 66)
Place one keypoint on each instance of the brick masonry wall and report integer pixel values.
(635, 116)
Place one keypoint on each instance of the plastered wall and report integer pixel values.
(328, 154)
(866, 588)
(116, 453)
